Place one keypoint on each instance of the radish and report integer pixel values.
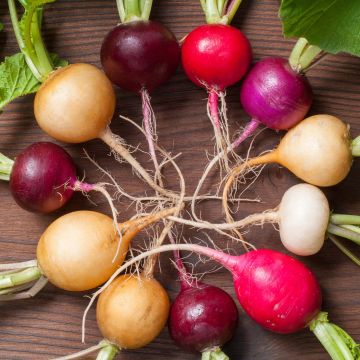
(318, 150)
(130, 314)
(277, 291)
(274, 93)
(70, 249)
(75, 103)
(202, 317)
(37, 185)
(304, 220)
(216, 56)
(139, 55)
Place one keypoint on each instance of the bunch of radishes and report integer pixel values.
(83, 250)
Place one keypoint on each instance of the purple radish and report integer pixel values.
(43, 178)
(202, 317)
(274, 93)
(275, 290)
(139, 55)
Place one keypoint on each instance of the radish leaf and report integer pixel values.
(332, 25)
(16, 78)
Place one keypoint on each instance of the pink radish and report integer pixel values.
(216, 56)
(277, 291)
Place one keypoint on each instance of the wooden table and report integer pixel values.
(49, 325)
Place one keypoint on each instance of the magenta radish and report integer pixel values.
(70, 249)
(275, 93)
(216, 56)
(202, 317)
(275, 290)
(75, 103)
(139, 55)
(43, 178)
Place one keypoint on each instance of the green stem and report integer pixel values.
(231, 9)
(345, 250)
(214, 354)
(45, 64)
(303, 54)
(353, 228)
(355, 147)
(132, 10)
(19, 278)
(108, 352)
(345, 233)
(6, 165)
(308, 56)
(212, 12)
(146, 9)
(121, 9)
(298, 49)
(338, 344)
(344, 219)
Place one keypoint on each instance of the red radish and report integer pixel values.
(139, 55)
(74, 103)
(318, 150)
(70, 249)
(274, 93)
(43, 178)
(202, 317)
(277, 291)
(216, 56)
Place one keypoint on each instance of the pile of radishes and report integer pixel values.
(87, 250)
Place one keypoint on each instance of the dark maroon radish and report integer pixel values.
(277, 291)
(202, 317)
(215, 56)
(43, 178)
(139, 55)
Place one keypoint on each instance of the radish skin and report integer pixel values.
(303, 219)
(317, 150)
(132, 311)
(278, 292)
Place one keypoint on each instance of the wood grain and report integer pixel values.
(49, 325)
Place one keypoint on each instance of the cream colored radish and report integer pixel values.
(303, 219)
(132, 311)
(318, 150)
(77, 252)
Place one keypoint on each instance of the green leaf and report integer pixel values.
(16, 78)
(333, 25)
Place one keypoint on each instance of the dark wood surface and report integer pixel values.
(49, 325)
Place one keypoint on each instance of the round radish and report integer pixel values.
(276, 95)
(278, 292)
(215, 56)
(139, 55)
(132, 311)
(73, 246)
(318, 150)
(202, 318)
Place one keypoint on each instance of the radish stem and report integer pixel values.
(336, 341)
(344, 219)
(6, 165)
(215, 354)
(19, 278)
(345, 233)
(345, 250)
